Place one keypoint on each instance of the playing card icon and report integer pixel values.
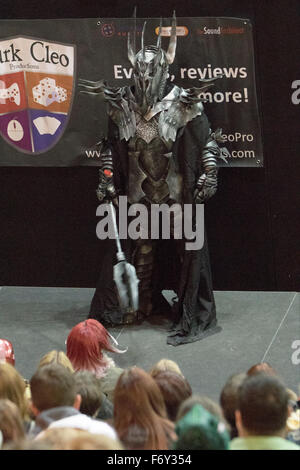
(46, 125)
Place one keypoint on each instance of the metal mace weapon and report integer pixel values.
(124, 274)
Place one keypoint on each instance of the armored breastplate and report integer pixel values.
(152, 173)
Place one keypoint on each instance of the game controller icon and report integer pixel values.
(11, 93)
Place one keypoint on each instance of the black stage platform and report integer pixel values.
(256, 326)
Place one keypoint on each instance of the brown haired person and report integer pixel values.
(229, 400)
(11, 423)
(140, 416)
(12, 387)
(55, 402)
(262, 367)
(263, 408)
(175, 390)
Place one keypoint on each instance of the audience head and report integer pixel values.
(88, 387)
(175, 390)
(27, 443)
(85, 346)
(200, 430)
(292, 396)
(52, 386)
(56, 357)
(12, 387)
(262, 367)
(207, 403)
(262, 406)
(77, 439)
(90, 441)
(11, 422)
(229, 400)
(165, 364)
(7, 352)
(140, 417)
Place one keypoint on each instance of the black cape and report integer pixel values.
(187, 272)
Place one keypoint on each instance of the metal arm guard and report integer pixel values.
(207, 183)
(106, 188)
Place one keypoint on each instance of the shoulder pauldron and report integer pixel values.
(120, 109)
(174, 111)
(181, 107)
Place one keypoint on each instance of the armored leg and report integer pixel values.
(143, 260)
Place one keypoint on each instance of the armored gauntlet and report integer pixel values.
(208, 181)
(106, 189)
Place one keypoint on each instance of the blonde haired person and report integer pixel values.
(52, 357)
(77, 439)
(56, 357)
(163, 365)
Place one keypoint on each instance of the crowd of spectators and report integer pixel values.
(81, 400)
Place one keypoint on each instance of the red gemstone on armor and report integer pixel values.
(108, 173)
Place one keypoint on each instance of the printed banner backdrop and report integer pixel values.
(46, 121)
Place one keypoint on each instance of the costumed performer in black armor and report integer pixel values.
(160, 150)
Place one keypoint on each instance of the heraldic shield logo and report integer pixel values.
(36, 92)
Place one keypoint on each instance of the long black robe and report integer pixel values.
(194, 313)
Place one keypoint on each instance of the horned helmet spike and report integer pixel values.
(173, 41)
(131, 52)
(158, 44)
(131, 41)
(142, 38)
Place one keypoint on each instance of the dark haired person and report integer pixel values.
(263, 408)
(229, 400)
(56, 403)
(94, 402)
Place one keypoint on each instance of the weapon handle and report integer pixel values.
(120, 254)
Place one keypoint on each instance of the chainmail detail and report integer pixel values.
(146, 130)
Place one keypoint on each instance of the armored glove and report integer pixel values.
(208, 181)
(206, 186)
(106, 189)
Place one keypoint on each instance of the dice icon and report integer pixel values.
(46, 92)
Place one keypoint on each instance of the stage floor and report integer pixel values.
(256, 326)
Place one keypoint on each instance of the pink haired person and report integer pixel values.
(87, 344)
